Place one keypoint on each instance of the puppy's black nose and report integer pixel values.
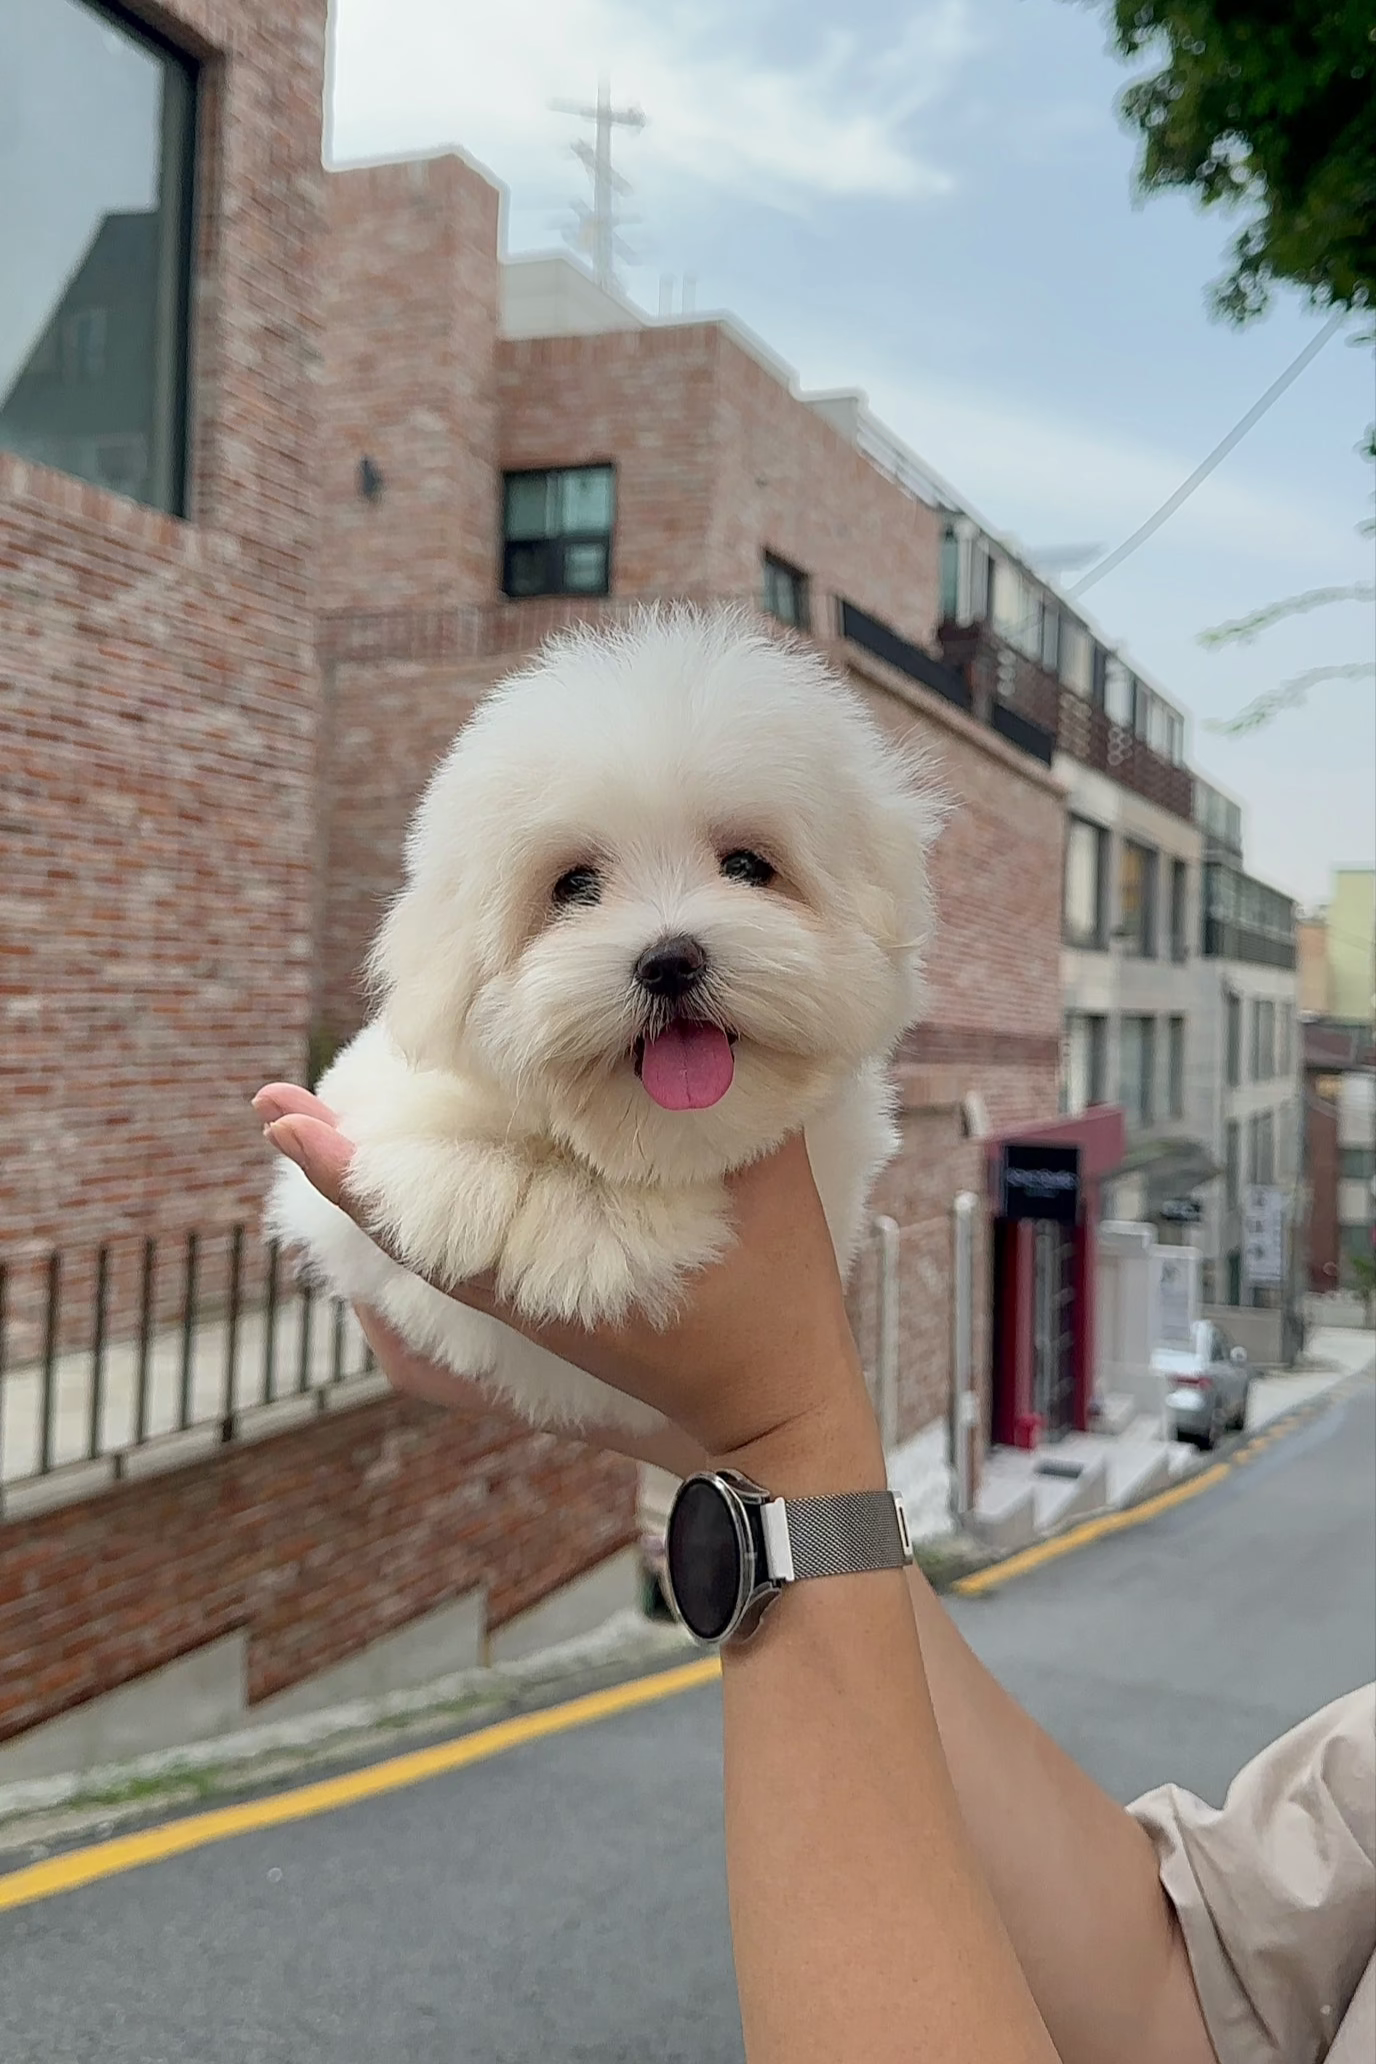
(670, 969)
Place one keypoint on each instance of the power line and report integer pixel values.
(1215, 458)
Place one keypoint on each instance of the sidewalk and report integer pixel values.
(1026, 1496)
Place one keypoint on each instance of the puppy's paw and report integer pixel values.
(443, 1207)
(582, 1250)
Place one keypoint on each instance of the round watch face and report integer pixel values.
(706, 1559)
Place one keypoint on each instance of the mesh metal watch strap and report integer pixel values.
(834, 1537)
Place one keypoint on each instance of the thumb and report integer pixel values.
(319, 1151)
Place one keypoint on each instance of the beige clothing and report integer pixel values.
(1276, 1893)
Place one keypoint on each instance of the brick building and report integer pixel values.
(669, 459)
(161, 475)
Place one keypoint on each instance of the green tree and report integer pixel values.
(1267, 106)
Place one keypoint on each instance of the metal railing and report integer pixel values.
(108, 1351)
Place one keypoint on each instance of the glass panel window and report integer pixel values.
(96, 145)
(1137, 900)
(785, 592)
(1175, 1066)
(1137, 1069)
(557, 532)
(1083, 1074)
(585, 569)
(1075, 656)
(1268, 1040)
(1180, 897)
(529, 505)
(1254, 1045)
(1232, 1164)
(1286, 1058)
(585, 500)
(1357, 1164)
(1233, 1039)
(1086, 852)
(1051, 637)
(950, 574)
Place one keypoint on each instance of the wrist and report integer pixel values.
(819, 1451)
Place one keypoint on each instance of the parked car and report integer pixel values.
(1208, 1385)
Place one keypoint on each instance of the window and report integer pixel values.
(950, 574)
(95, 248)
(1357, 1164)
(1286, 1058)
(1086, 882)
(1180, 901)
(1137, 1069)
(1175, 1066)
(1232, 1165)
(1261, 1147)
(1268, 1040)
(558, 532)
(785, 593)
(1137, 900)
(1233, 1038)
(1051, 637)
(1075, 657)
(1083, 1070)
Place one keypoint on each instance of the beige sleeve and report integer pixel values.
(1276, 1891)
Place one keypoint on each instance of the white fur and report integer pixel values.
(497, 1118)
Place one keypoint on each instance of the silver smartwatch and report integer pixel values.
(731, 1548)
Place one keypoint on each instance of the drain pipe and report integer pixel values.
(886, 1232)
(964, 1400)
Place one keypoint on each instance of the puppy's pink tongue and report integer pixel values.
(687, 1067)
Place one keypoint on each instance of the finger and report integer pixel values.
(320, 1151)
(286, 1099)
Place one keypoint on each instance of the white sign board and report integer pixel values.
(1174, 1296)
(1263, 1234)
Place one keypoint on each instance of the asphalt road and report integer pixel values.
(565, 1901)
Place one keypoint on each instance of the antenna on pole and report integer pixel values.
(596, 228)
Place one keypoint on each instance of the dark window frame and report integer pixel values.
(1139, 940)
(556, 545)
(178, 315)
(774, 570)
(1097, 941)
(1180, 910)
(1175, 1065)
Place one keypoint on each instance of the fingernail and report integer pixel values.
(287, 1144)
(267, 1106)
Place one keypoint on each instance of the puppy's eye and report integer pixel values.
(579, 885)
(747, 867)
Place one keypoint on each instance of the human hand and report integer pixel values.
(759, 1360)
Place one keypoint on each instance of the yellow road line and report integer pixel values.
(130, 1852)
(1080, 1537)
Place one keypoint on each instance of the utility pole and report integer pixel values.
(596, 231)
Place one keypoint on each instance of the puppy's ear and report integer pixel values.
(903, 820)
(421, 970)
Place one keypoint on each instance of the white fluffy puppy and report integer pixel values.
(665, 903)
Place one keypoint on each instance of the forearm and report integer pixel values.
(1074, 1876)
(863, 1926)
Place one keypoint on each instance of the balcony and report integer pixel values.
(1002, 678)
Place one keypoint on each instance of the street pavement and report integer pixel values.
(565, 1901)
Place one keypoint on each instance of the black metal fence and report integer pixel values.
(108, 1350)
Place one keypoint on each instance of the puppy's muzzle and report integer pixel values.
(672, 969)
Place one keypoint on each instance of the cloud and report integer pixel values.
(832, 119)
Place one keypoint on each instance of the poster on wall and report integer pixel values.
(1263, 1235)
(1174, 1297)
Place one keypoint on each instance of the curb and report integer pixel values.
(625, 1644)
(1200, 1476)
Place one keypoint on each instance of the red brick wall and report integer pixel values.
(158, 725)
(716, 462)
(316, 1542)
(410, 334)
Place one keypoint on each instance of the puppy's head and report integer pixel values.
(667, 890)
